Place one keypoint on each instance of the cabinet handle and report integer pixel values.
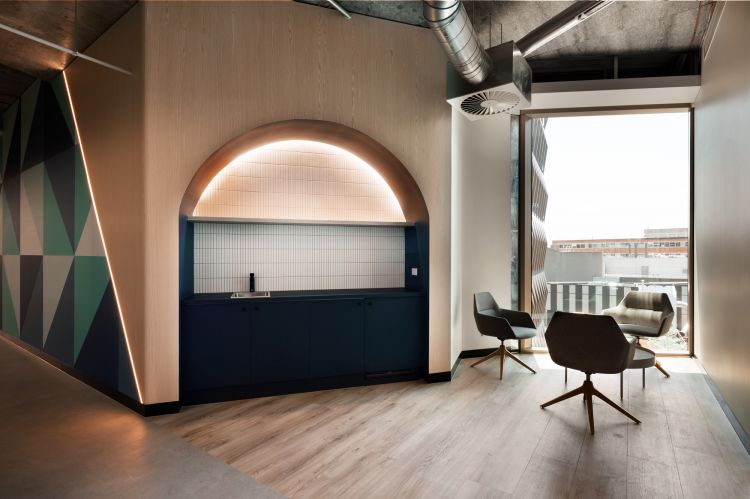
(256, 308)
(244, 309)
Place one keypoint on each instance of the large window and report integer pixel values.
(611, 213)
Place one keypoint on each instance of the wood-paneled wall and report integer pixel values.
(722, 211)
(213, 70)
(110, 114)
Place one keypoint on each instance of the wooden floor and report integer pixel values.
(480, 437)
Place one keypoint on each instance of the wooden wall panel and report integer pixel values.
(213, 70)
(110, 114)
(722, 211)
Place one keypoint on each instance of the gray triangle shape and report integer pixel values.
(12, 269)
(32, 216)
(90, 243)
(55, 271)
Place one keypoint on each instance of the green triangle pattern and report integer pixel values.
(90, 280)
(82, 198)
(58, 87)
(28, 106)
(9, 124)
(10, 239)
(10, 325)
(56, 240)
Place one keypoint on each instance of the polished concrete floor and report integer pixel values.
(61, 439)
(481, 437)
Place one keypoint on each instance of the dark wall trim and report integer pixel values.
(439, 377)
(130, 403)
(465, 354)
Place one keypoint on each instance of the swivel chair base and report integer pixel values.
(502, 352)
(588, 391)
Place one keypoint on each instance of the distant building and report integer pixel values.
(655, 242)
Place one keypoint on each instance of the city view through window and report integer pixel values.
(615, 191)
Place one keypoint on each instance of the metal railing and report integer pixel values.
(593, 297)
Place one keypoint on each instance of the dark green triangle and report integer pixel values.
(28, 106)
(61, 94)
(11, 245)
(10, 325)
(82, 198)
(9, 124)
(90, 280)
(56, 240)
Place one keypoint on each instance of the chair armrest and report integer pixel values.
(493, 325)
(630, 354)
(516, 318)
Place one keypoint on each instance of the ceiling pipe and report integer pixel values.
(338, 7)
(450, 23)
(559, 24)
(55, 46)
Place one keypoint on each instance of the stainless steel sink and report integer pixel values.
(251, 294)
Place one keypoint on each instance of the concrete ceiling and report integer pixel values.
(23, 60)
(626, 27)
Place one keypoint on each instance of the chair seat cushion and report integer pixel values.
(636, 330)
(523, 333)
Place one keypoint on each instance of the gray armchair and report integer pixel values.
(592, 344)
(502, 324)
(644, 314)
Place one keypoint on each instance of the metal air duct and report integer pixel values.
(450, 23)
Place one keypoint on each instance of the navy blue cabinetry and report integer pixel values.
(280, 341)
(215, 346)
(336, 337)
(293, 343)
(394, 334)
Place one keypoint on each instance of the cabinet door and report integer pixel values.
(394, 334)
(336, 337)
(215, 346)
(280, 342)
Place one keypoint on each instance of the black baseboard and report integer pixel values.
(480, 352)
(440, 377)
(736, 425)
(129, 402)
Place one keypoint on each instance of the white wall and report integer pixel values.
(481, 220)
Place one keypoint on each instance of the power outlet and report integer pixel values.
(414, 272)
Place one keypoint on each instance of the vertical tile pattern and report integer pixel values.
(295, 257)
(300, 180)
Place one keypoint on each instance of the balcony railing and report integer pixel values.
(592, 298)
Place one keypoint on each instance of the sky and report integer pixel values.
(614, 176)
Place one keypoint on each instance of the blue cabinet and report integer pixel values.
(394, 334)
(242, 348)
(280, 342)
(336, 337)
(215, 346)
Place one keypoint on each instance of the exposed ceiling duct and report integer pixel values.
(559, 24)
(450, 23)
(485, 82)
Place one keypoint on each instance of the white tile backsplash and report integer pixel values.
(296, 257)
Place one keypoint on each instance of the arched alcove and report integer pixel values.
(232, 223)
(393, 172)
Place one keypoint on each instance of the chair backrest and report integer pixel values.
(644, 308)
(484, 302)
(588, 343)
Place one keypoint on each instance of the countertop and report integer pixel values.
(206, 298)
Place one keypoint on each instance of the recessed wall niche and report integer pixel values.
(299, 180)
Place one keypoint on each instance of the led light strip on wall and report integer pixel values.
(101, 234)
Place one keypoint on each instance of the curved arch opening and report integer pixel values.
(299, 180)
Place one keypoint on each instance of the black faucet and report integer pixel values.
(252, 282)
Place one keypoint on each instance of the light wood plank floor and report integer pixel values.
(480, 437)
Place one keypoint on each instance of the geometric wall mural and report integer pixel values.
(56, 292)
